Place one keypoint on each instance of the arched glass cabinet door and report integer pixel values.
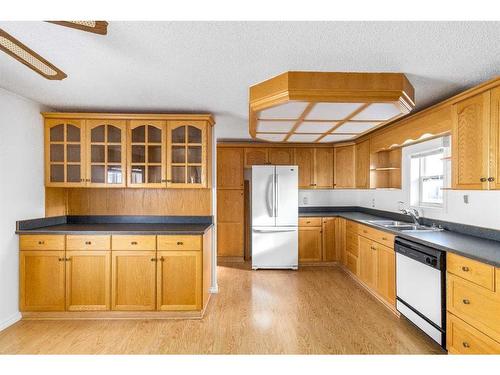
(106, 157)
(146, 162)
(187, 167)
(64, 153)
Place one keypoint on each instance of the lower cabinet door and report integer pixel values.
(88, 280)
(329, 250)
(179, 280)
(133, 280)
(386, 273)
(41, 280)
(230, 240)
(309, 244)
(367, 262)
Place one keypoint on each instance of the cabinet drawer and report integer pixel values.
(309, 221)
(465, 339)
(132, 242)
(179, 242)
(41, 242)
(475, 305)
(78, 242)
(352, 263)
(379, 236)
(474, 271)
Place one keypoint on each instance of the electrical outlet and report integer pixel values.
(466, 198)
(373, 202)
(305, 201)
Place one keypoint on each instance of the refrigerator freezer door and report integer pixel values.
(275, 247)
(263, 194)
(287, 196)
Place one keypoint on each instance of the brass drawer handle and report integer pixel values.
(466, 302)
(153, 259)
(41, 242)
(88, 242)
(483, 179)
(384, 238)
(61, 259)
(308, 222)
(465, 269)
(162, 259)
(67, 259)
(491, 179)
(466, 344)
(133, 243)
(180, 243)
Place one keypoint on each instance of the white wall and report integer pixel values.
(21, 189)
(482, 210)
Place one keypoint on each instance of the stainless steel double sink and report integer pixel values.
(402, 226)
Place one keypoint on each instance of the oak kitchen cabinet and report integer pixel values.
(127, 273)
(475, 142)
(317, 239)
(281, 155)
(362, 156)
(315, 167)
(256, 156)
(310, 244)
(329, 249)
(230, 223)
(230, 168)
(116, 150)
(345, 167)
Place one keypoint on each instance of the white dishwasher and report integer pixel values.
(421, 287)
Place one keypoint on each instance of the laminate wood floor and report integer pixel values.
(316, 310)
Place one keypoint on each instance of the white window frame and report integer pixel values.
(421, 156)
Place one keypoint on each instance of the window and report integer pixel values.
(428, 171)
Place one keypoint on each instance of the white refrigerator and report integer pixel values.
(275, 210)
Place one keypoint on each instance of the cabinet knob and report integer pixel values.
(41, 242)
(491, 179)
(465, 269)
(153, 259)
(88, 243)
(61, 259)
(466, 302)
(384, 238)
(180, 243)
(133, 243)
(67, 259)
(466, 344)
(483, 179)
(162, 259)
(163, 180)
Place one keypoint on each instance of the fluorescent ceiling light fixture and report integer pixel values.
(275, 126)
(355, 127)
(379, 111)
(332, 111)
(290, 110)
(303, 137)
(28, 57)
(315, 127)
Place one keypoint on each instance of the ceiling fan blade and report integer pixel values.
(96, 27)
(28, 57)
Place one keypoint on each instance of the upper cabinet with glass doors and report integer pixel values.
(146, 153)
(106, 153)
(186, 154)
(159, 151)
(64, 153)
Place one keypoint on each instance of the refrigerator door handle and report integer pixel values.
(270, 199)
(276, 200)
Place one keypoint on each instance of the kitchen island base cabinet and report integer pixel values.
(41, 280)
(179, 280)
(88, 280)
(133, 284)
(115, 276)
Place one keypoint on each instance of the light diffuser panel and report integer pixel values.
(379, 111)
(303, 137)
(315, 127)
(275, 126)
(332, 111)
(290, 110)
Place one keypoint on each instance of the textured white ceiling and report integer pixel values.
(209, 66)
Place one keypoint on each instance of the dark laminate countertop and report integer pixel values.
(484, 250)
(120, 229)
(196, 225)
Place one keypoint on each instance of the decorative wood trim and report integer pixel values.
(130, 116)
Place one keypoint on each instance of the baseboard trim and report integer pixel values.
(10, 321)
(104, 315)
(222, 259)
(319, 264)
(214, 289)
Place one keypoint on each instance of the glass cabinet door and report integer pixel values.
(186, 154)
(146, 153)
(64, 153)
(106, 153)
